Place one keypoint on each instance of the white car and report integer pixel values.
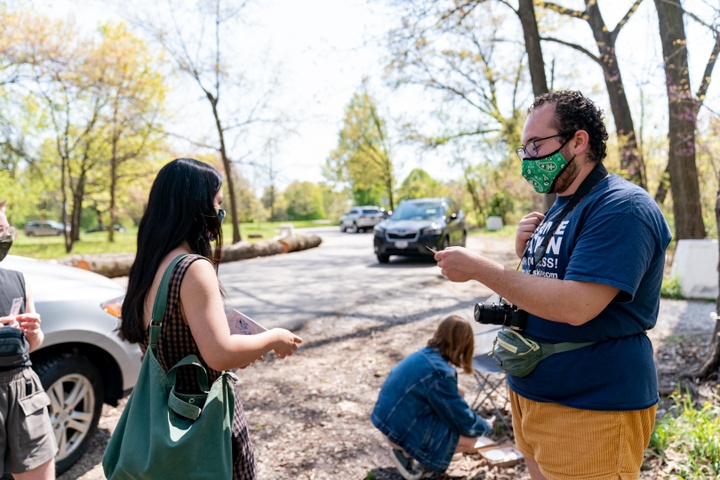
(82, 363)
(361, 218)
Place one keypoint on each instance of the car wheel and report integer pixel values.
(463, 239)
(342, 228)
(354, 228)
(75, 389)
(383, 258)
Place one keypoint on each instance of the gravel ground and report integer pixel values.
(309, 414)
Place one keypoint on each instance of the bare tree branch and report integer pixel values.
(563, 10)
(587, 52)
(625, 19)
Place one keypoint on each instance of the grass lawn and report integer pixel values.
(125, 242)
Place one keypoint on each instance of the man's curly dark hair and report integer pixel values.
(573, 112)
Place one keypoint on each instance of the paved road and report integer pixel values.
(288, 290)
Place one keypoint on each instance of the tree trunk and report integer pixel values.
(536, 63)
(113, 189)
(228, 170)
(631, 161)
(712, 365)
(63, 215)
(682, 122)
(473, 191)
(663, 186)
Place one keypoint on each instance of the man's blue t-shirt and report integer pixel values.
(616, 236)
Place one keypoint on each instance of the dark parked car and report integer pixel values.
(418, 224)
(100, 228)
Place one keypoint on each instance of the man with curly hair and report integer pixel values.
(592, 268)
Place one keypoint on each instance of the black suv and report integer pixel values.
(418, 224)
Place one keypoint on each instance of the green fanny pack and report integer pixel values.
(519, 356)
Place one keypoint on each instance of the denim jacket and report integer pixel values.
(420, 409)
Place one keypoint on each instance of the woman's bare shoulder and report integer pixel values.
(200, 274)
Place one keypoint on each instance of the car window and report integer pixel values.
(419, 211)
(370, 211)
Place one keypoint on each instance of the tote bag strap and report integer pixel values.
(160, 304)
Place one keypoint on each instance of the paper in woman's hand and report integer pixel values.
(241, 324)
(15, 308)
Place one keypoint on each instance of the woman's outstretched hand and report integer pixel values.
(286, 343)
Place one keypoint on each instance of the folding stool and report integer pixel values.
(490, 378)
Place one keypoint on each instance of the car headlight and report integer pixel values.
(114, 306)
(431, 230)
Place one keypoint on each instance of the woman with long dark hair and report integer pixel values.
(183, 216)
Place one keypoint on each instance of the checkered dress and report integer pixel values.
(175, 343)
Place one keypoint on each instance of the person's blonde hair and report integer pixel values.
(455, 341)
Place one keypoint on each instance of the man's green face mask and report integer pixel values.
(542, 172)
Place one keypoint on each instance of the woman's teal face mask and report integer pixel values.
(542, 172)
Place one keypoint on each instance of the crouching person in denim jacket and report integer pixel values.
(421, 411)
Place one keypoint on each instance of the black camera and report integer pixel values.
(500, 314)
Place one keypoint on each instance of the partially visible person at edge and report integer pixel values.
(420, 408)
(183, 216)
(586, 413)
(27, 440)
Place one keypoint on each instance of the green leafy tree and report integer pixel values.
(132, 129)
(250, 207)
(96, 101)
(305, 201)
(419, 184)
(335, 203)
(362, 157)
(275, 204)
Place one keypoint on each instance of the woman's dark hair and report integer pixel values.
(455, 341)
(573, 112)
(180, 208)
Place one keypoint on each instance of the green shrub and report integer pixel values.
(671, 288)
(688, 439)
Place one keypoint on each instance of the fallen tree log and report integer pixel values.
(118, 264)
(244, 250)
(108, 264)
(294, 244)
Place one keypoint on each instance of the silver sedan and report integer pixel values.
(82, 363)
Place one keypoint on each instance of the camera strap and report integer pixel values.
(597, 174)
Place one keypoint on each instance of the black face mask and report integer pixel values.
(5, 245)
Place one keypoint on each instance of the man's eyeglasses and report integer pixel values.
(7, 232)
(221, 214)
(531, 149)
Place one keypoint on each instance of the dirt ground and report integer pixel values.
(309, 414)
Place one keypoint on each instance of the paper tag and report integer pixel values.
(241, 324)
(16, 304)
